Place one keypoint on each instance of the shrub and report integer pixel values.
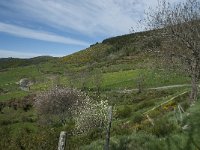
(26, 139)
(91, 115)
(163, 127)
(185, 105)
(136, 141)
(153, 43)
(123, 112)
(144, 104)
(57, 104)
(138, 117)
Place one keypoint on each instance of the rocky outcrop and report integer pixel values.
(25, 84)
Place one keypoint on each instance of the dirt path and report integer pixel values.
(156, 88)
(170, 86)
(171, 99)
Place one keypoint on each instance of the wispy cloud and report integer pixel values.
(17, 54)
(38, 35)
(89, 17)
(70, 22)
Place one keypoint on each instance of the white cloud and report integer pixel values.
(39, 35)
(16, 54)
(88, 17)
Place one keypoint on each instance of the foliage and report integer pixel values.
(57, 104)
(139, 141)
(164, 127)
(123, 112)
(16, 62)
(28, 139)
(112, 67)
(92, 114)
(137, 118)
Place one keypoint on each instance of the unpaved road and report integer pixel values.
(156, 88)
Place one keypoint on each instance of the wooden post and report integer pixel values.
(180, 111)
(62, 139)
(150, 120)
(175, 114)
(108, 128)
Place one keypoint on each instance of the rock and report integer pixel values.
(1, 90)
(24, 82)
(185, 127)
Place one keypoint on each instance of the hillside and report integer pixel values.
(16, 62)
(120, 48)
(126, 71)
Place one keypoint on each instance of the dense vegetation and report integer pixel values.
(15, 62)
(124, 72)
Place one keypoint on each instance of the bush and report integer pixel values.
(163, 127)
(144, 104)
(136, 141)
(57, 104)
(123, 111)
(185, 105)
(44, 139)
(138, 117)
(91, 115)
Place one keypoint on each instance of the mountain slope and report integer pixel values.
(17, 62)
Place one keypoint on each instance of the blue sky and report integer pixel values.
(30, 28)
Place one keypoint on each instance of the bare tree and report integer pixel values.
(179, 24)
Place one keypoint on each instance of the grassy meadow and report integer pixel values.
(116, 68)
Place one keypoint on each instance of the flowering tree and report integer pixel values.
(92, 114)
(57, 104)
(60, 104)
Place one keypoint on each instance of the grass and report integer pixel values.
(150, 78)
(118, 63)
(13, 95)
(127, 118)
(176, 139)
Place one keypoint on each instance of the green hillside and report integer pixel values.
(16, 62)
(123, 70)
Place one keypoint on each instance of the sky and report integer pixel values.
(30, 28)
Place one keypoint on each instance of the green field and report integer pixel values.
(113, 70)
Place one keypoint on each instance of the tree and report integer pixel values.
(60, 105)
(57, 105)
(180, 25)
(91, 115)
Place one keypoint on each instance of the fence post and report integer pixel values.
(150, 120)
(180, 111)
(62, 139)
(108, 128)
